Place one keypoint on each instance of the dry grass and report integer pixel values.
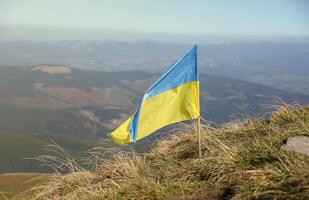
(242, 161)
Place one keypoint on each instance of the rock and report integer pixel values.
(299, 144)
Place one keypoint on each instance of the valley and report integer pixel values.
(77, 108)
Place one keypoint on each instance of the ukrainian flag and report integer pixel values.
(174, 97)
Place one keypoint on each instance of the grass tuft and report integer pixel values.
(240, 161)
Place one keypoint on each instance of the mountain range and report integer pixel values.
(282, 65)
(77, 108)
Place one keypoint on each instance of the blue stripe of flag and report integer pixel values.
(183, 71)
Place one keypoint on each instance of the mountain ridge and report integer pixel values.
(278, 64)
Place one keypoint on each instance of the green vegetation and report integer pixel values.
(241, 161)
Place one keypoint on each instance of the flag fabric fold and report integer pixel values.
(174, 97)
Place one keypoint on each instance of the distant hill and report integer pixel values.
(282, 65)
(87, 105)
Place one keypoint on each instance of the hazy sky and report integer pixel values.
(224, 17)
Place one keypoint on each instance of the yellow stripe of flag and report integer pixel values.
(173, 98)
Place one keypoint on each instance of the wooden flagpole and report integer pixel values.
(198, 120)
(198, 132)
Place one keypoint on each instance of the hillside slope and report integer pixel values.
(91, 103)
(240, 161)
(61, 102)
(18, 150)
